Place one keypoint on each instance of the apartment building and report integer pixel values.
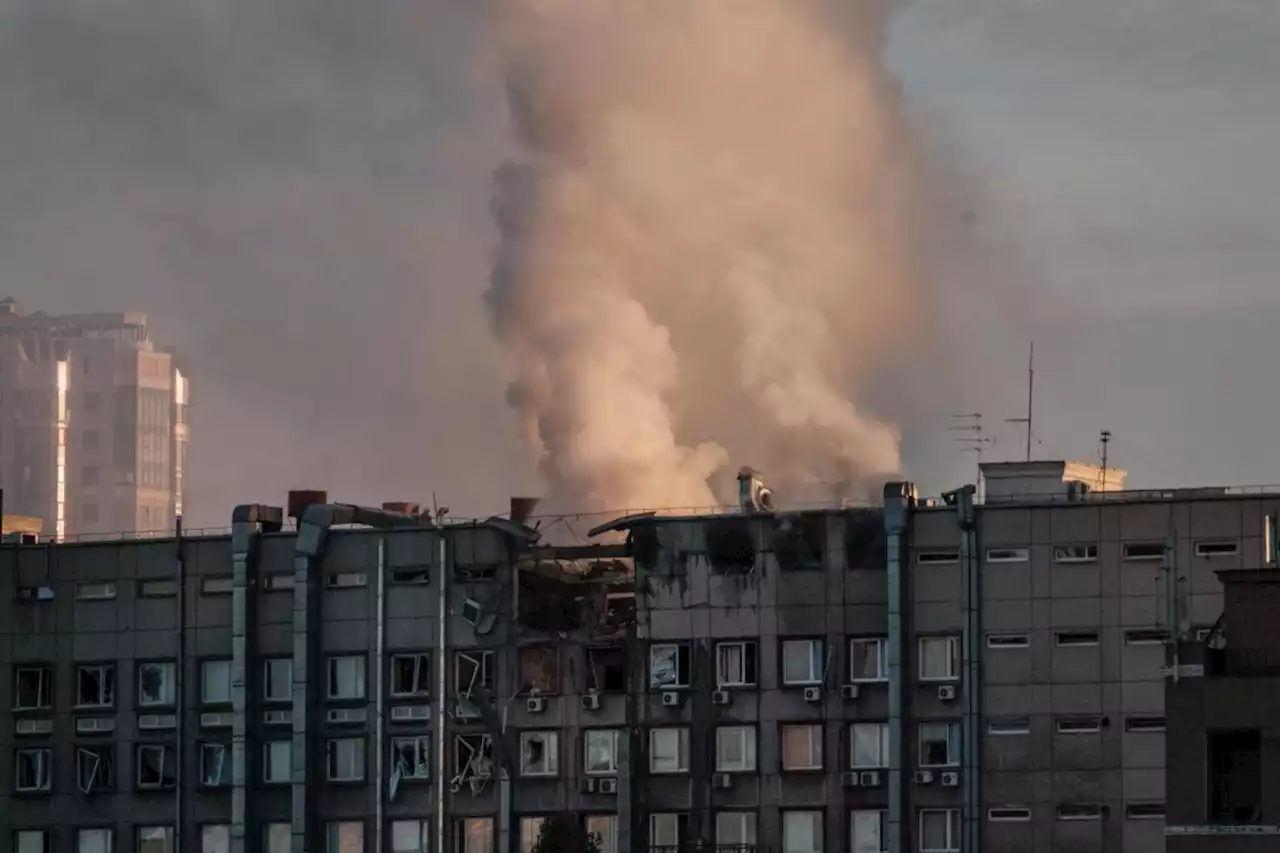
(93, 423)
(1223, 741)
(929, 676)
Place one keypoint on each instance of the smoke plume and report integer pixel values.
(704, 245)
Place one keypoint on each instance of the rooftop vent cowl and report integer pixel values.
(753, 494)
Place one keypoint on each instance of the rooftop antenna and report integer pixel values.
(1105, 438)
(976, 443)
(1031, 389)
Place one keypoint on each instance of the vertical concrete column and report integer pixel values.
(247, 524)
(971, 673)
(306, 667)
(899, 501)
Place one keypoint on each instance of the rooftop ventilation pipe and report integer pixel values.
(522, 509)
(753, 494)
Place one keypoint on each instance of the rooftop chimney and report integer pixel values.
(522, 508)
(300, 499)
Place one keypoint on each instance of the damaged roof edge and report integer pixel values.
(626, 522)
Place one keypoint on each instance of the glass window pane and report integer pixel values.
(409, 836)
(215, 838)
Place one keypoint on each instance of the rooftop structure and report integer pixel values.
(917, 676)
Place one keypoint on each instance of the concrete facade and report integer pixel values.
(711, 679)
(93, 423)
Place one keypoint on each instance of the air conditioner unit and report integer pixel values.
(813, 694)
(722, 780)
(950, 780)
(588, 786)
(285, 717)
(870, 779)
(924, 777)
(721, 697)
(849, 780)
(849, 691)
(536, 704)
(216, 720)
(33, 727)
(608, 786)
(410, 713)
(35, 593)
(947, 693)
(670, 699)
(346, 716)
(591, 702)
(153, 722)
(95, 725)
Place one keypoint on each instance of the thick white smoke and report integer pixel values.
(703, 244)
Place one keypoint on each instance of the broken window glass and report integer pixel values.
(668, 665)
(601, 751)
(473, 669)
(156, 684)
(95, 769)
(96, 686)
(410, 757)
(473, 758)
(539, 670)
(215, 765)
(539, 753)
(411, 675)
(155, 766)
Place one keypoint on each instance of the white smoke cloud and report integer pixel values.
(704, 244)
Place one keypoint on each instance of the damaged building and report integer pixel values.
(930, 676)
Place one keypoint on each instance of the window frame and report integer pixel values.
(224, 771)
(333, 834)
(109, 831)
(816, 746)
(1011, 814)
(818, 818)
(1081, 636)
(682, 666)
(676, 839)
(422, 671)
(882, 830)
(1143, 552)
(43, 782)
(483, 663)
(1008, 554)
(107, 684)
(206, 666)
(1205, 548)
(882, 744)
(333, 665)
(1067, 554)
(169, 683)
(104, 754)
(750, 652)
(267, 665)
(165, 750)
(44, 686)
(747, 744)
(953, 658)
(681, 734)
(41, 833)
(613, 736)
(1078, 725)
(816, 656)
(96, 590)
(952, 741)
(996, 726)
(1002, 641)
(550, 750)
(333, 758)
(748, 827)
(881, 645)
(423, 830)
(267, 762)
(952, 817)
(421, 745)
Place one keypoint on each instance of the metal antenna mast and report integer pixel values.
(976, 443)
(1031, 390)
(1106, 441)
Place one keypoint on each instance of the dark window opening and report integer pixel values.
(731, 546)
(800, 542)
(95, 769)
(1235, 776)
(606, 670)
(865, 545)
(473, 669)
(539, 670)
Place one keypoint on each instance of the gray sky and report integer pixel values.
(297, 192)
